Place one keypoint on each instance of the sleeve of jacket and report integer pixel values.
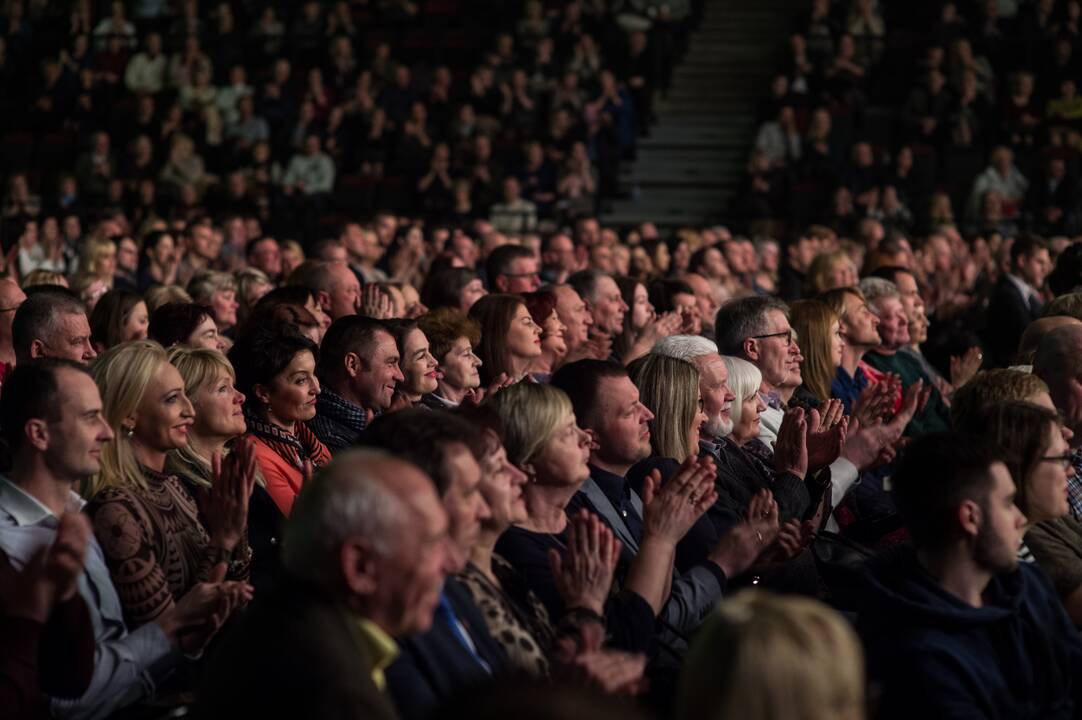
(413, 696)
(694, 594)
(791, 494)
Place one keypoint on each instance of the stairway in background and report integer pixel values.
(691, 166)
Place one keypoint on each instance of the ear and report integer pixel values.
(353, 364)
(37, 434)
(324, 299)
(262, 394)
(37, 348)
(501, 283)
(594, 443)
(358, 569)
(970, 517)
(751, 348)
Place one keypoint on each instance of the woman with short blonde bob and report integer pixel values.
(821, 344)
(762, 656)
(156, 541)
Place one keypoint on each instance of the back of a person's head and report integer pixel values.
(1068, 304)
(890, 272)
(991, 386)
(581, 382)
(35, 317)
(934, 475)
(738, 320)
(423, 437)
(762, 656)
(684, 347)
(1059, 355)
(349, 334)
(32, 391)
(1035, 332)
(1066, 276)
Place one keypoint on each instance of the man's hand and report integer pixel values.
(791, 447)
(826, 435)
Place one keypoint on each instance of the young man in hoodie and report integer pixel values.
(955, 627)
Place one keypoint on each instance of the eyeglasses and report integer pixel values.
(788, 335)
(1064, 460)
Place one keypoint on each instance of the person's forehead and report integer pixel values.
(777, 320)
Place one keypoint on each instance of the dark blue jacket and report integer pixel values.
(934, 656)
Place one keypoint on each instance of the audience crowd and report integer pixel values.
(325, 393)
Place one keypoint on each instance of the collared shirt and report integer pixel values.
(379, 647)
(1074, 486)
(1028, 291)
(338, 423)
(618, 491)
(126, 665)
(848, 388)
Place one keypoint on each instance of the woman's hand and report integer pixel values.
(670, 511)
(583, 574)
(225, 506)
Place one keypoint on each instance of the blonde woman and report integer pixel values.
(98, 258)
(164, 294)
(773, 657)
(156, 541)
(252, 284)
(822, 345)
(216, 431)
(830, 270)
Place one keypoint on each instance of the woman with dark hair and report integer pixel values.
(510, 339)
(276, 372)
(119, 316)
(294, 304)
(451, 337)
(457, 288)
(542, 308)
(1067, 274)
(420, 369)
(158, 262)
(642, 325)
(188, 324)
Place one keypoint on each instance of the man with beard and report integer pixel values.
(955, 626)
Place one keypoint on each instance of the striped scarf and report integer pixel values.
(293, 448)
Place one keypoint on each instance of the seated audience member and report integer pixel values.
(956, 624)
(158, 262)
(51, 322)
(142, 512)
(452, 287)
(184, 323)
(886, 302)
(252, 285)
(336, 288)
(607, 404)
(542, 308)
(276, 373)
(52, 422)
(415, 361)
(218, 291)
(510, 339)
(603, 300)
(513, 269)
(1017, 298)
(642, 327)
(157, 296)
(11, 297)
(860, 333)
(358, 370)
(1059, 363)
(457, 652)
(768, 657)
(577, 321)
(995, 386)
(366, 552)
(452, 337)
(821, 344)
(296, 296)
(1035, 332)
(119, 316)
(215, 436)
(1031, 440)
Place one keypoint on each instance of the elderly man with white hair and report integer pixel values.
(365, 555)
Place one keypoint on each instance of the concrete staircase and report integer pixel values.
(691, 166)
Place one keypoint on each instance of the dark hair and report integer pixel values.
(585, 283)
(891, 272)
(35, 316)
(698, 258)
(541, 304)
(31, 391)
(150, 242)
(263, 351)
(286, 295)
(348, 334)
(173, 323)
(1026, 245)
(250, 245)
(444, 326)
(442, 287)
(494, 314)
(423, 437)
(110, 315)
(581, 381)
(1019, 430)
(499, 261)
(663, 291)
(737, 320)
(935, 473)
(1067, 274)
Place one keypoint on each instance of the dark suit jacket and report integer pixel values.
(434, 666)
(293, 655)
(1008, 315)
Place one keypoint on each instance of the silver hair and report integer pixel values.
(684, 347)
(347, 498)
(875, 288)
(744, 381)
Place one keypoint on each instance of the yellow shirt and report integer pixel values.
(380, 646)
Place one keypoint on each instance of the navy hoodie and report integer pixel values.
(934, 656)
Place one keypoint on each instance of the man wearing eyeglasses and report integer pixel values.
(513, 269)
